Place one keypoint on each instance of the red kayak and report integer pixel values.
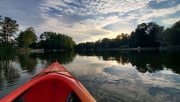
(53, 84)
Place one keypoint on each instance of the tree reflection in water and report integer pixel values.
(63, 57)
(28, 62)
(15, 68)
(140, 76)
(9, 74)
(144, 61)
(22, 66)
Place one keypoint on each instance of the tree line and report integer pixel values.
(28, 38)
(145, 35)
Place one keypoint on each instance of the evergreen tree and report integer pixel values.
(8, 29)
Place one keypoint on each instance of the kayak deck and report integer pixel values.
(50, 90)
(53, 84)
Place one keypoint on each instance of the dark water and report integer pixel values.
(110, 76)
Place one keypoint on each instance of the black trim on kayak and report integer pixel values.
(51, 71)
(72, 97)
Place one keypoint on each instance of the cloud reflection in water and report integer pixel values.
(108, 80)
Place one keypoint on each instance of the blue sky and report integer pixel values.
(90, 20)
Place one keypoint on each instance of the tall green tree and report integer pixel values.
(27, 37)
(0, 20)
(154, 32)
(122, 40)
(1, 40)
(97, 44)
(171, 35)
(146, 35)
(8, 28)
(106, 43)
(52, 40)
(139, 37)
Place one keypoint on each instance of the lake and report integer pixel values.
(110, 76)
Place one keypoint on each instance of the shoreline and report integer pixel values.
(169, 48)
(135, 49)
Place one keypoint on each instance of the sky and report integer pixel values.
(89, 20)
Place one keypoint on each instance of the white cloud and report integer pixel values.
(159, 1)
(120, 6)
(148, 14)
(170, 21)
(162, 81)
(101, 13)
(86, 19)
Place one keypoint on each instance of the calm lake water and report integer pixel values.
(110, 76)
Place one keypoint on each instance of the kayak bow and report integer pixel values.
(53, 84)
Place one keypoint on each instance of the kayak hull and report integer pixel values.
(53, 84)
